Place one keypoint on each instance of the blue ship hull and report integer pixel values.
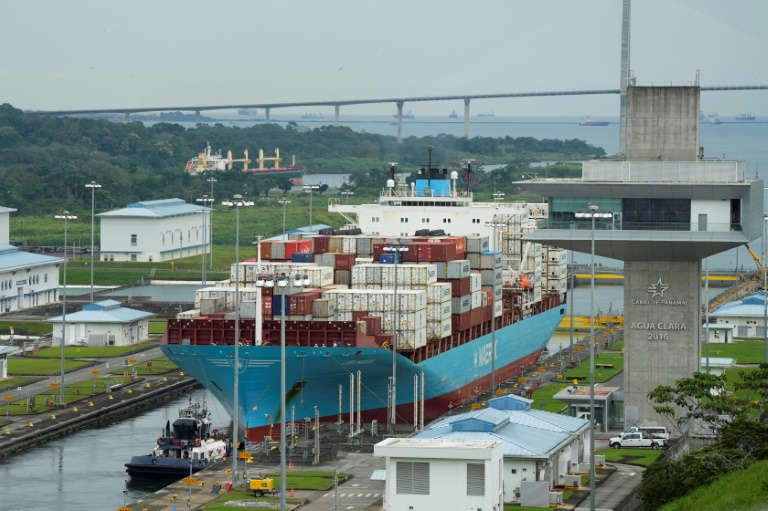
(315, 374)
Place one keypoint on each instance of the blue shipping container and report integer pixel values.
(390, 258)
(277, 305)
(302, 257)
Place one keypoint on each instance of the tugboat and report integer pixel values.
(189, 447)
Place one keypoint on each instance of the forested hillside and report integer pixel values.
(45, 161)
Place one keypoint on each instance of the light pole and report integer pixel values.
(210, 220)
(206, 201)
(494, 225)
(282, 283)
(284, 202)
(181, 242)
(66, 217)
(237, 202)
(572, 300)
(593, 213)
(765, 290)
(396, 251)
(347, 193)
(92, 185)
(311, 189)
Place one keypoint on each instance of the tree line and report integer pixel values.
(45, 161)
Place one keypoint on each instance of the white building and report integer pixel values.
(5, 233)
(104, 323)
(159, 230)
(746, 317)
(441, 474)
(543, 451)
(27, 279)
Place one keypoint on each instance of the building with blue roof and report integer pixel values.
(742, 319)
(104, 323)
(157, 230)
(27, 279)
(538, 446)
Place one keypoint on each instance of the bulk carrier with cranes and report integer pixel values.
(207, 161)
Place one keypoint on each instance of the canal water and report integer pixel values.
(85, 471)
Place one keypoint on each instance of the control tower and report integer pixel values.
(669, 208)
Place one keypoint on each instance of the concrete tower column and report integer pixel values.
(336, 112)
(400, 121)
(466, 117)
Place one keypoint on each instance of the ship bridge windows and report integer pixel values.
(446, 220)
(404, 220)
(425, 220)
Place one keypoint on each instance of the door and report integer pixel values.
(702, 222)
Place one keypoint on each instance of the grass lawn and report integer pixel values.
(299, 480)
(16, 381)
(602, 374)
(543, 400)
(642, 457)
(92, 351)
(744, 352)
(160, 365)
(75, 394)
(21, 366)
(25, 327)
(739, 490)
(157, 326)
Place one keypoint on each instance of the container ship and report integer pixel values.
(431, 310)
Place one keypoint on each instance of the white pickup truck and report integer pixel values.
(635, 440)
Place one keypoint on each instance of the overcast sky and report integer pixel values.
(145, 53)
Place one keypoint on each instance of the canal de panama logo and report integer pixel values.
(658, 288)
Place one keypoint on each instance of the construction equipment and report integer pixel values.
(261, 485)
(754, 256)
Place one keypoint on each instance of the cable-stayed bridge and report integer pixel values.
(670, 42)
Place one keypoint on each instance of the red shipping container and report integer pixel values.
(372, 324)
(301, 303)
(487, 312)
(266, 249)
(412, 254)
(320, 244)
(345, 261)
(435, 252)
(294, 246)
(459, 242)
(266, 305)
(476, 316)
(459, 287)
(461, 321)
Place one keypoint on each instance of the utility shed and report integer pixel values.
(104, 323)
(426, 474)
(745, 318)
(539, 447)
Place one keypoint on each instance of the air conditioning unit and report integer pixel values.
(556, 498)
(572, 480)
(583, 468)
(599, 460)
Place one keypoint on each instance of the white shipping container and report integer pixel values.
(403, 321)
(497, 309)
(212, 305)
(190, 314)
(477, 244)
(407, 300)
(439, 329)
(360, 300)
(323, 308)
(477, 299)
(438, 292)
(343, 316)
(461, 304)
(246, 293)
(250, 309)
(349, 245)
(458, 269)
(475, 282)
(438, 311)
(490, 260)
(412, 339)
(491, 277)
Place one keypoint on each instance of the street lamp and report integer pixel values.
(765, 290)
(92, 185)
(347, 193)
(311, 189)
(66, 217)
(396, 251)
(493, 225)
(237, 202)
(593, 213)
(283, 283)
(207, 201)
(210, 262)
(284, 202)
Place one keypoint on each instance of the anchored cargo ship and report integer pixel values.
(589, 121)
(444, 299)
(208, 162)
